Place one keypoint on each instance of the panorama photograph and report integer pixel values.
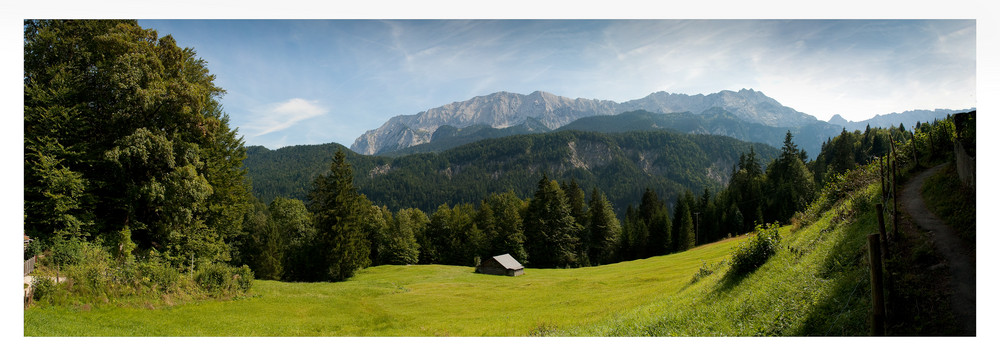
(491, 175)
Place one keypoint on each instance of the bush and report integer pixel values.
(42, 287)
(222, 279)
(159, 276)
(755, 251)
(244, 278)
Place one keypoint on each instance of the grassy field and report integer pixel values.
(404, 300)
(816, 284)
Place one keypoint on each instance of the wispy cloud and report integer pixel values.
(280, 116)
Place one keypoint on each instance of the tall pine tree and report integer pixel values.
(549, 227)
(604, 230)
(341, 243)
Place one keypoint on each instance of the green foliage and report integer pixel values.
(952, 201)
(66, 252)
(339, 213)
(42, 289)
(500, 217)
(684, 238)
(452, 237)
(400, 245)
(790, 183)
(605, 230)
(124, 139)
(756, 250)
(620, 164)
(549, 228)
(219, 279)
(159, 276)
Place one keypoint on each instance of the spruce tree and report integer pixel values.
(684, 229)
(508, 235)
(604, 230)
(549, 227)
(339, 212)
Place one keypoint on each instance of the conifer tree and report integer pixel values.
(684, 229)
(339, 212)
(604, 230)
(508, 226)
(549, 228)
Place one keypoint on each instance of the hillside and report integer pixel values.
(447, 136)
(714, 121)
(620, 164)
(503, 109)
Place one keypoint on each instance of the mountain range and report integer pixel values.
(746, 114)
(907, 118)
(503, 109)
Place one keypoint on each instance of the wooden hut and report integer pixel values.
(503, 265)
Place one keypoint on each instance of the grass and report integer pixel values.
(403, 300)
(952, 202)
(816, 284)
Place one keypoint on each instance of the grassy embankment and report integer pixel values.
(817, 284)
(952, 202)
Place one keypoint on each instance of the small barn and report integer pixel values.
(503, 265)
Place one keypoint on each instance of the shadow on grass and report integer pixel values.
(729, 281)
(847, 308)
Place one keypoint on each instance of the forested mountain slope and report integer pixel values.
(622, 165)
(714, 121)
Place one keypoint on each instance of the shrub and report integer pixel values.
(213, 277)
(91, 273)
(755, 251)
(222, 279)
(42, 287)
(243, 278)
(158, 275)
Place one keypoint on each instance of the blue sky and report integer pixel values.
(316, 81)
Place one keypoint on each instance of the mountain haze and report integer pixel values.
(504, 109)
(907, 118)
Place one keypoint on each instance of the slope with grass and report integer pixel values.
(816, 284)
(403, 300)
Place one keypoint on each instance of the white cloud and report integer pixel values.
(280, 116)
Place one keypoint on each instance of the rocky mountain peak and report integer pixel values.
(505, 109)
(838, 120)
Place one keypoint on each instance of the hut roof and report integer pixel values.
(508, 262)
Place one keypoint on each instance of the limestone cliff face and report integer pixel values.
(503, 109)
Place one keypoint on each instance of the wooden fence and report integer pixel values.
(881, 259)
(29, 265)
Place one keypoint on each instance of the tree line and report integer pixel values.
(558, 226)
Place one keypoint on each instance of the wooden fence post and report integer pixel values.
(886, 260)
(878, 304)
(881, 175)
(881, 230)
(895, 199)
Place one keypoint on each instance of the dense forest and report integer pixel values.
(130, 165)
(622, 165)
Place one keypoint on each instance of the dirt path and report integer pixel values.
(959, 257)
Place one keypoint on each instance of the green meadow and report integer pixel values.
(404, 300)
(816, 284)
